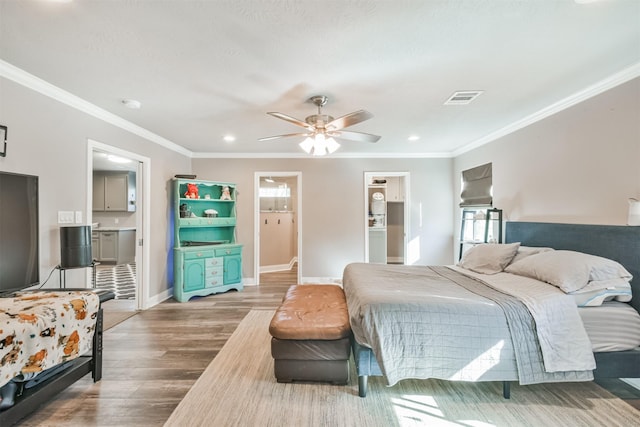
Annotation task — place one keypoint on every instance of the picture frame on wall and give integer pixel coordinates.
(3, 140)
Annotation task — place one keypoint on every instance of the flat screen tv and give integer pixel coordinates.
(19, 239)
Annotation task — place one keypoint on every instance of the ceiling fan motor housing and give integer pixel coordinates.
(318, 120)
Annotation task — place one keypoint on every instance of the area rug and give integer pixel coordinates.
(116, 311)
(120, 279)
(238, 388)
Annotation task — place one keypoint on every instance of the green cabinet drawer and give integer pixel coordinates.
(236, 250)
(207, 222)
(213, 262)
(198, 254)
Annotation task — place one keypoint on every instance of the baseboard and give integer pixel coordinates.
(322, 280)
(278, 267)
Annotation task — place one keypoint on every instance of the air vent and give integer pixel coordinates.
(463, 97)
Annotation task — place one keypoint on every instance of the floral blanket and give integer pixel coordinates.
(39, 330)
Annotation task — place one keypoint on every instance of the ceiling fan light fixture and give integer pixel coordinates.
(307, 145)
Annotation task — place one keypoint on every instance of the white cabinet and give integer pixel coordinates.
(95, 245)
(114, 191)
(377, 245)
(395, 189)
(377, 195)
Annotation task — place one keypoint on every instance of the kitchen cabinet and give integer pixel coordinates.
(95, 245)
(114, 191)
(377, 194)
(114, 246)
(395, 189)
(206, 257)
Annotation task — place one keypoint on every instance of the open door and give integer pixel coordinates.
(386, 210)
(138, 168)
(277, 240)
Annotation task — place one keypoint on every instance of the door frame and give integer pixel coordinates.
(256, 222)
(143, 219)
(368, 176)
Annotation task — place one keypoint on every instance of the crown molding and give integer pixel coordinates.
(610, 82)
(32, 82)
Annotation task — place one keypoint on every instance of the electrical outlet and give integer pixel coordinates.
(78, 217)
(116, 220)
(65, 217)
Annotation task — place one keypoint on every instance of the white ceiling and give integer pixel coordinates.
(204, 69)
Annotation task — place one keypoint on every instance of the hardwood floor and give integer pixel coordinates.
(152, 359)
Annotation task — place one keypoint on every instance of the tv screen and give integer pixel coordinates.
(19, 239)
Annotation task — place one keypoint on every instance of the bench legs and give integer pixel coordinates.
(506, 389)
(362, 385)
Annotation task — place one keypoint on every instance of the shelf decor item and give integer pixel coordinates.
(206, 257)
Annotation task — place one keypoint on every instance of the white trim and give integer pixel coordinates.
(30, 81)
(143, 298)
(278, 267)
(595, 89)
(321, 281)
(339, 155)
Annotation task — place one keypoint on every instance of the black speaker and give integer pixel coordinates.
(75, 246)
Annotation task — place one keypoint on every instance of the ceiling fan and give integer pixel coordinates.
(322, 128)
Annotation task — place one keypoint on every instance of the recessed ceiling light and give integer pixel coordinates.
(413, 138)
(229, 138)
(132, 103)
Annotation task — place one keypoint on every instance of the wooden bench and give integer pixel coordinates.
(310, 335)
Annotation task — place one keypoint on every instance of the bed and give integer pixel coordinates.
(48, 340)
(442, 322)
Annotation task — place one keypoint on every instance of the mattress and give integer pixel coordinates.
(613, 326)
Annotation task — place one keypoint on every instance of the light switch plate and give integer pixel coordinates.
(65, 217)
(78, 217)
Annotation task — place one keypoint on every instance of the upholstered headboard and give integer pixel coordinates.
(617, 242)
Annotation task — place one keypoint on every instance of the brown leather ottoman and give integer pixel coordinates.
(310, 335)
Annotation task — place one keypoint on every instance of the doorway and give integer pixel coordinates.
(386, 213)
(277, 229)
(124, 267)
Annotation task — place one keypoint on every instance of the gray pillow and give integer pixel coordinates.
(489, 258)
(568, 270)
(525, 251)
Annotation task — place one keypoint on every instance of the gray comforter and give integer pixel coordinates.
(434, 322)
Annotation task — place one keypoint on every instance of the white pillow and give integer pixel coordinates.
(568, 270)
(488, 258)
(525, 251)
(598, 291)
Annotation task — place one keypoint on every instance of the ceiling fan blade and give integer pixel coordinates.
(349, 120)
(291, 119)
(269, 138)
(355, 136)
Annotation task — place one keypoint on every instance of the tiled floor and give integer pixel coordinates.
(121, 279)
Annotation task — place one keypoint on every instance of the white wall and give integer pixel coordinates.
(332, 207)
(49, 139)
(578, 166)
